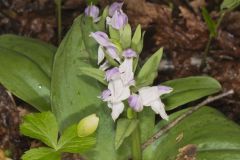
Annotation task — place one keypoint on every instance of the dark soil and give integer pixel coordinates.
(180, 30)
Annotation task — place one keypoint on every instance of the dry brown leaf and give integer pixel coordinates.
(187, 152)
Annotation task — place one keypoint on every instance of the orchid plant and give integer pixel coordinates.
(120, 74)
(96, 71)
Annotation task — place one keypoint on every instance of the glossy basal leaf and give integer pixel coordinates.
(25, 79)
(189, 89)
(215, 137)
(41, 126)
(39, 52)
(149, 71)
(74, 96)
(70, 142)
(42, 153)
(94, 73)
(124, 129)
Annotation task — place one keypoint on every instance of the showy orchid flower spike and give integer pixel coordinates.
(119, 70)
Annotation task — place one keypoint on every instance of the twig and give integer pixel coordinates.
(183, 116)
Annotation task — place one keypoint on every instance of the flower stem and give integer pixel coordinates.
(136, 141)
(59, 18)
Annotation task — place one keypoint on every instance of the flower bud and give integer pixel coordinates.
(118, 21)
(114, 7)
(87, 125)
(92, 11)
(101, 38)
(129, 53)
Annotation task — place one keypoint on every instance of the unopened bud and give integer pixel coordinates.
(92, 11)
(114, 7)
(118, 21)
(87, 125)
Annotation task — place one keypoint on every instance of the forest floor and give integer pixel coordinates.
(180, 29)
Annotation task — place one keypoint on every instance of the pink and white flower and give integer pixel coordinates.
(150, 96)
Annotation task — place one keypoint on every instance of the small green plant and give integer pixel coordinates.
(43, 126)
(213, 26)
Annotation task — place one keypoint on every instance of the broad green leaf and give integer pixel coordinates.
(124, 129)
(212, 27)
(42, 153)
(25, 79)
(214, 136)
(70, 142)
(230, 4)
(149, 70)
(189, 89)
(74, 96)
(94, 73)
(126, 36)
(39, 52)
(41, 126)
(136, 38)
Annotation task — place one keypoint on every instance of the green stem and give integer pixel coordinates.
(205, 53)
(220, 19)
(211, 36)
(136, 141)
(59, 19)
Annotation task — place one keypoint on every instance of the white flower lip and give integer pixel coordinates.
(150, 96)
